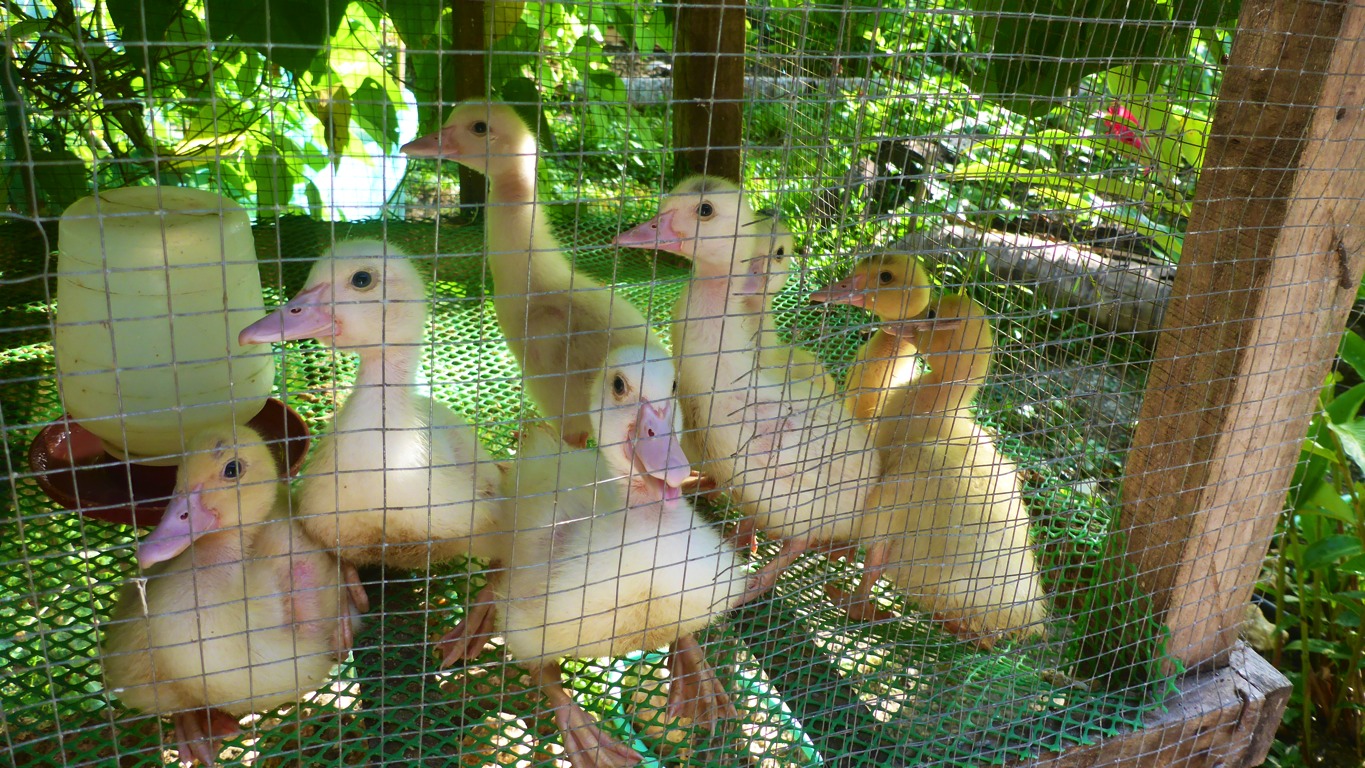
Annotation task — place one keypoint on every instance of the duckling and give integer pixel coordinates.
(608, 558)
(401, 479)
(893, 287)
(240, 611)
(791, 455)
(947, 523)
(774, 353)
(559, 323)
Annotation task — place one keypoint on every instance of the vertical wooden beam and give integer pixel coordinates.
(467, 77)
(708, 88)
(1270, 268)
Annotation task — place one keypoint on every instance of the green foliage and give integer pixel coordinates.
(1045, 49)
(1317, 576)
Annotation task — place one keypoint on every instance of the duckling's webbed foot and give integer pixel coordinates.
(694, 691)
(746, 535)
(200, 733)
(467, 639)
(359, 597)
(860, 605)
(697, 483)
(766, 577)
(585, 743)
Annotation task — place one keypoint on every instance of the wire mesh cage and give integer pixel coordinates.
(520, 383)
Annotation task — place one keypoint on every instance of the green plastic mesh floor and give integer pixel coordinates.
(812, 688)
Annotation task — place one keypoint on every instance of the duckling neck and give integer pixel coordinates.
(386, 377)
(953, 381)
(521, 246)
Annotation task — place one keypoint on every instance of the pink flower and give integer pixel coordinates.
(1122, 124)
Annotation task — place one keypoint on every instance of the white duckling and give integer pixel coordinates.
(400, 479)
(894, 287)
(607, 558)
(947, 524)
(559, 323)
(784, 357)
(792, 456)
(241, 611)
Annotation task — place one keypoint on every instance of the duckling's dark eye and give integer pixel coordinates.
(362, 280)
(706, 211)
(781, 251)
(618, 385)
(930, 315)
(886, 277)
(480, 128)
(232, 470)
(675, 386)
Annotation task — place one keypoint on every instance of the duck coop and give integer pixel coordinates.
(926, 382)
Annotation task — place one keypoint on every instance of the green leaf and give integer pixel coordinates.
(1329, 550)
(314, 199)
(415, 21)
(274, 182)
(1352, 351)
(372, 108)
(289, 32)
(1352, 437)
(1043, 48)
(1314, 645)
(144, 21)
(1325, 501)
(1355, 565)
(1207, 13)
(1344, 408)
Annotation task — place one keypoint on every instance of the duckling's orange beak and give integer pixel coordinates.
(657, 233)
(655, 448)
(185, 520)
(852, 290)
(911, 329)
(306, 316)
(431, 145)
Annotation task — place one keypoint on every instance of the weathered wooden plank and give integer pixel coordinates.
(708, 81)
(1270, 268)
(1224, 718)
(467, 71)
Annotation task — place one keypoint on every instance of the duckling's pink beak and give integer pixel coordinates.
(185, 520)
(852, 290)
(430, 145)
(306, 316)
(655, 447)
(657, 233)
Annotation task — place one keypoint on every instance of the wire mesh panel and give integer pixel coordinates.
(532, 446)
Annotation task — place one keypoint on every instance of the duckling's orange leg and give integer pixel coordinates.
(585, 743)
(200, 733)
(746, 535)
(576, 439)
(351, 578)
(694, 691)
(766, 577)
(467, 639)
(859, 605)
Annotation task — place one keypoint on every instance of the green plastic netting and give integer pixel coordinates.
(812, 688)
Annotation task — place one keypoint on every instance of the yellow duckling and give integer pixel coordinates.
(792, 456)
(773, 353)
(608, 558)
(947, 523)
(559, 323)
(401, 478)
(893, 287)
(241, 611)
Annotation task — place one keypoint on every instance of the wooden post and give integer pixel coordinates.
(467, 78)
(708, 87)
(1270, 268)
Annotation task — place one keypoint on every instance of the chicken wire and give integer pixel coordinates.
(811, 686)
